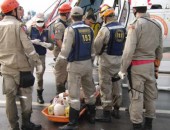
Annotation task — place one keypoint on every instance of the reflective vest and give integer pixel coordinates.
(35, 34)
(117, 38)
(82, 45)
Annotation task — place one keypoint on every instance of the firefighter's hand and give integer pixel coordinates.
(121, 75)
(156, 72)
(36, 41)
(46, 45)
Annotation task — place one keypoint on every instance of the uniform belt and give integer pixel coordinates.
(140, 62)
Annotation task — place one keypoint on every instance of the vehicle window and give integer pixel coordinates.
(124, 14)
(156, 6)
(87, 4)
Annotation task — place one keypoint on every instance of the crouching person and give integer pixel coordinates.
(77, 49)
(15, 47)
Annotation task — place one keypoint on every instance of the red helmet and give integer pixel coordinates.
(64, 8)
(9, 5)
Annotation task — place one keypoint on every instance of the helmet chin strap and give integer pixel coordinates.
(105, 19)
(67, 15)
(16, 16)
(135, 12)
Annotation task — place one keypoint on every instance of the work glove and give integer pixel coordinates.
(121, 75)
(46, 44)
(36, 41)
(39, 67)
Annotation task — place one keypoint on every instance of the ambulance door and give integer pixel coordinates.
(123, 9)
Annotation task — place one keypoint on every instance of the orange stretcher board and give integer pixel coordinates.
(62, 119)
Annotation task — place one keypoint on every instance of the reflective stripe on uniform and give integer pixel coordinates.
(74, 101)
(63, 57)
(80, 25)
(32, 53)
(107, 101)
(6, 23)
(115, 27)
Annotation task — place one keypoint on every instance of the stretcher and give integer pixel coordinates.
(61, 119)
(64, 119)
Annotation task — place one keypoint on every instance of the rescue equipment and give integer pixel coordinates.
(49, 111)
(59, 110)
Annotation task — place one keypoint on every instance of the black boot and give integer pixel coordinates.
(73, 117)
(137, 126)
(148, 123)
(27, 124)
(91, 112)
(105, 117)
(60, 89)
(116, 113)
(31, 126)
(40, 99)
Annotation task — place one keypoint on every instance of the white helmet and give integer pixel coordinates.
(40, 19)
(139, 3)
(59, 110)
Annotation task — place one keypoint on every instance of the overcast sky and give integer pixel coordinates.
(36, 5)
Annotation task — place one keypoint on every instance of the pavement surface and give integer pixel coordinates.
(162, 122)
